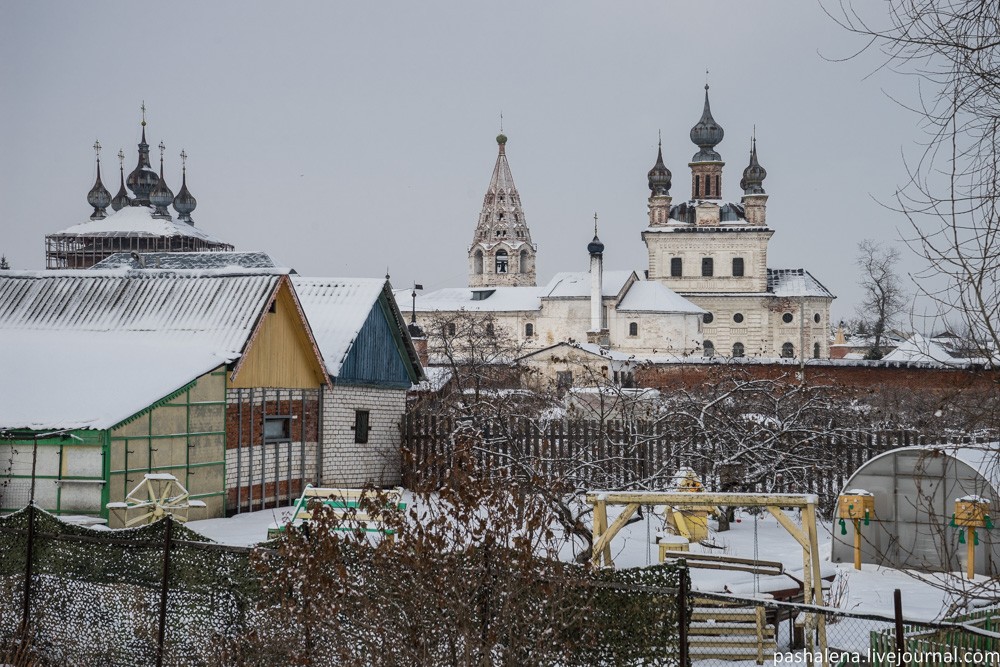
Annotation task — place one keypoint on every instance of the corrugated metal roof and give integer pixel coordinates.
(336, 309)
(113, 342)
(188, 260)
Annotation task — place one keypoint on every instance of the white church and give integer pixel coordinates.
(707, 290)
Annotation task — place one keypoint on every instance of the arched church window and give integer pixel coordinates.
(707, 266)
(708, 186)
(709, 349)
(529, 330)
(718, 187)
(451, 328)
(815, 350)
(697, 186)
(477, 261)
(523, 262)
(737, 266)
(489, 328)
(738, 350)
(501, 261)
(633, 328)
(817, 318)
(787, 351)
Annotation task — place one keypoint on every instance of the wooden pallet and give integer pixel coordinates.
(724, 631)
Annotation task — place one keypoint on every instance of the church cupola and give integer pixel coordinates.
(706, 165)
(754, 197)
(98, 197)
(754, 174)
(598, 332)
(659, 178)
(143, 179)
(121, 199)
(184, 202)
(501, 252)
(161, 197)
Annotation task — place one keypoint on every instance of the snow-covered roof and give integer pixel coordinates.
(90, 348)
(337, 309)
(136, 221)
(66, 379)
(570, 284)
(498, 299)
(653, 297)
(920, 348)
(590, 348)
(795, 282)
(189, 260)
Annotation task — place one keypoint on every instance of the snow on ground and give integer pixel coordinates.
(869, 590)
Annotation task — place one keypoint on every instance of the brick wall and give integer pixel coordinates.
(350, 464)
(866, 376)
(269, 474)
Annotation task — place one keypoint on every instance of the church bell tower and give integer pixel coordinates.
(502, 253)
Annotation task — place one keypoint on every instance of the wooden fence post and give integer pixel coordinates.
(28, 571)
(164, 587)
(897, 603)
(682, 619)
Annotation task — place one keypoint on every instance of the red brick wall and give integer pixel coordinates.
(861, 376)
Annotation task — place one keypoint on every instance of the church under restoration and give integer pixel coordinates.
(140, 220)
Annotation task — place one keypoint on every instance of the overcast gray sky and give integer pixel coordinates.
(345, 137)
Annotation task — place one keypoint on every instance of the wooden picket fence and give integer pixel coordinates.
(618, 454)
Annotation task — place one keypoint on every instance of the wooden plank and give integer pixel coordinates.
(703, 498)
(793, 530)
(604, 542)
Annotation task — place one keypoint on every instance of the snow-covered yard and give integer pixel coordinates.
(869, 590)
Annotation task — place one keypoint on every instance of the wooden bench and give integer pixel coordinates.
(723, 631)
(347, 505)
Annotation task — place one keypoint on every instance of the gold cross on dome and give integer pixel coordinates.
(143, 107)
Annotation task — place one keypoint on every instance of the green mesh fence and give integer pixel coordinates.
(95, 595)
(95, 599)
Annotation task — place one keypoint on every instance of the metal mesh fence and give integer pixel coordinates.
(728, 630)
(160, 594)
(95, 598)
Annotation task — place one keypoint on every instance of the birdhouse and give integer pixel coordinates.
(972, 512)
(856, 504)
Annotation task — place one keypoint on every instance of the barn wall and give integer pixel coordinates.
(270, 471)
(69, 473)
(184, 436)
(280, 354)
(351, 464)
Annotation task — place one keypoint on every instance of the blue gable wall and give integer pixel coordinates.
(376, 358)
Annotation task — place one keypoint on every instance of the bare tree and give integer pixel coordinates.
(952, 49)
(883, 297)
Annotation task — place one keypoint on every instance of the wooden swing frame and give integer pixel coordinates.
(775, 503)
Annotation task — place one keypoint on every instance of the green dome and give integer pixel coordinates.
(501, 138)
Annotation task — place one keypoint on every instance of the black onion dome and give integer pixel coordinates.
(121, 199)
(754, 175)
(595, 247)
(143, 179)
(707, 134)
(659, 176)
(161, 197)
(184, 202)
(501, 138)
(98, 197)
